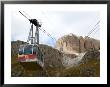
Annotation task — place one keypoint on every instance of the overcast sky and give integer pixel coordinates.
(57, 23)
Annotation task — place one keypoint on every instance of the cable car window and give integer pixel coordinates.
(20, 51)
(28, 49)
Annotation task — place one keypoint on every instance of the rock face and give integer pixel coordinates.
(52, 57)
(91, 43)
(68, 44)
(73, 44)
(81, 45)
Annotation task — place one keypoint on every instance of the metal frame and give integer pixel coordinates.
(40, 2)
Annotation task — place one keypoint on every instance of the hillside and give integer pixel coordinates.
(55, 64)
(52, 59)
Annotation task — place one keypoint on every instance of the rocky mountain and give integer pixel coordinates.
(73, 56)
(73, 44)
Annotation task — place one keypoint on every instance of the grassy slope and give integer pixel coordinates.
(89, 69)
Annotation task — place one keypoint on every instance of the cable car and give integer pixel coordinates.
(30, 53)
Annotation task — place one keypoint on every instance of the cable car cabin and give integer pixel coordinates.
(30, 53)
(27, 53)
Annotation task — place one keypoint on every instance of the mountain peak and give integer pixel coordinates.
(75, 44)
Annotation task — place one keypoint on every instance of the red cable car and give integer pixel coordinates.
(30, 52)
(27, 53)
